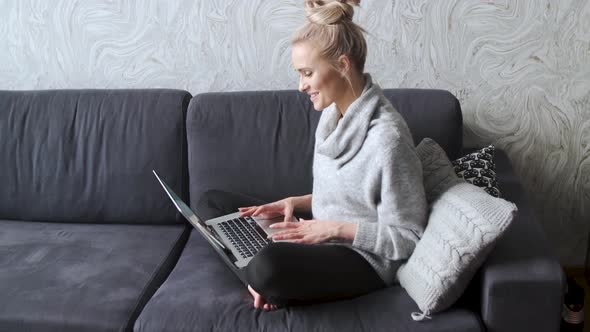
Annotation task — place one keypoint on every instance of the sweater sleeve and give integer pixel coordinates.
(401, 208)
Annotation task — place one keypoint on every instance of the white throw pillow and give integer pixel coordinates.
(464, 224)
(437, 171)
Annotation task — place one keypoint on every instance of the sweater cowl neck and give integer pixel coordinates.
(341, 138)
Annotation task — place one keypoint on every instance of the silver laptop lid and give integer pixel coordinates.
(189, 214)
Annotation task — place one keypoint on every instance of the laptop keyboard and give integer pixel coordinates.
(245, 235)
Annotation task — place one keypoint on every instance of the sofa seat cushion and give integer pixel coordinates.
(202, 294)
(81, 277)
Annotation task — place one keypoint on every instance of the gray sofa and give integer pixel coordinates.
(90, 242)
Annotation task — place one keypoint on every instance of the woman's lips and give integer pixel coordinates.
(313, 96)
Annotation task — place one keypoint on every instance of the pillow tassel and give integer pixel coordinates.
(420, 316)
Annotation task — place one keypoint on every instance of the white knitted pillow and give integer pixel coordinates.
(464, 224)
(437, 170)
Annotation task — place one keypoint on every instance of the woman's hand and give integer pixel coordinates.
(271, 210)
(313, 231)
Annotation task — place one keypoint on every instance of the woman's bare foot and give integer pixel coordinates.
(259, 302)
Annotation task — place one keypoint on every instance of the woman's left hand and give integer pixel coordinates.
(306, 231)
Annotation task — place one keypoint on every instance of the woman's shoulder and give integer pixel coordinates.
(387, 124)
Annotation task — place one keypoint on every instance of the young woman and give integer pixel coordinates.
(368, 202)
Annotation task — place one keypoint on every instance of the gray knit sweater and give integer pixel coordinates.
(366, 171)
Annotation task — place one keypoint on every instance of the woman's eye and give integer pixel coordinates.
(307, 74)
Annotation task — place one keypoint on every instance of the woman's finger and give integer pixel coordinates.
(250, 208)
(287, 236)
(246, 211)
(284, 225)
(285, 233)
(303, 240)
(264, 209)
(288, 212)
(310, 221)
(258, 210)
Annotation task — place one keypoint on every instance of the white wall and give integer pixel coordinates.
(520, 68)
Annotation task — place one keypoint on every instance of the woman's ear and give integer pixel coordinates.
(344, 64)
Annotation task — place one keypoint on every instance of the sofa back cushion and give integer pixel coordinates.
(88, 155)
(261, 143)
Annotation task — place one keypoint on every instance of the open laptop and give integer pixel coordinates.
(236, 239)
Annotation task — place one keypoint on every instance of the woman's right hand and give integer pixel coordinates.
(284, 207)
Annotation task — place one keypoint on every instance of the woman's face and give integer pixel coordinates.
(317, 77)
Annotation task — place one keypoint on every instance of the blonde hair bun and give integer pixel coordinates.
(329, 27)
(326, 12)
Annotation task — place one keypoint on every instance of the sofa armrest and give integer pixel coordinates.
(521, 281)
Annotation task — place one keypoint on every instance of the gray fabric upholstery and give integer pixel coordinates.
(87, 155)
(202, 294)
(261, 142)
(521, 281)
(70, 157)
(81, 277)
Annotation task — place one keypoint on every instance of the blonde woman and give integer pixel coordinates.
(368, 202)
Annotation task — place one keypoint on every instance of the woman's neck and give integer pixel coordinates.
(353, 91)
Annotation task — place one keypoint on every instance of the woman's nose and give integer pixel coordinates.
(302, 86)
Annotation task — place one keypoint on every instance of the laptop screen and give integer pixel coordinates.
(188, 213)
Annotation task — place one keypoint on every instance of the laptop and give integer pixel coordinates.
(236, 239)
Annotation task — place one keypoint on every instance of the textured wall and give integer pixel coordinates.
(520, 68)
